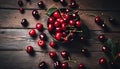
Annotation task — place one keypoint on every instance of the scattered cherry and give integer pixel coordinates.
(65, 65)
(58, 36)
(65, 54)
(41, 43)
(42, 65)
(41, 4)
(52, 54)
(72, 22)
(20, 3)
(39, 26)
(35, 14)
(102, 61)
(51, 20)
(57, 64)
(24, 22)
(57, 24)
(101, 38)
(52, 44)
(78, 24)
(22, 11)
(32, 33)
(42, 36)
(105, 49)
(30, 49)
(81, 66)
(73, 4)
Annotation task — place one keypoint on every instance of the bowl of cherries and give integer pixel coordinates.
(65, 25)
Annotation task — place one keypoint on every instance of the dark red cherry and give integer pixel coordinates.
(52, 44)
(72, 22)
(35, 14)
(56, 14)
(24, 22)
(42, 65)
(63, 26)
(98, 20)
(39, 26)
(41, 43)
(58, 29)
(105, 49)
(20, 3)
(50, 27)
(65, 54)
(51, 20)
(57, 64)
(102, 61)
(57, 24)
(41, 4)
(52, 54)
(58, 36)
(22, 11)
(42, 36)
(75, 15)
(102, 38)
(78, 24)
(73, 4)
(67, 17)
(32, 33)
(81, 66)
(29, 49)
(65, 65)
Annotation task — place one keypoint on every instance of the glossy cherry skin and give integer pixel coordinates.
(58, 29)
(42, 65)
(50, 27)
(71, 22)
(41, 43)
(78, 24)
(101, 38)
(57, 24)
(41, 4)
(42, 36)
(52, 54)
(51, 19)
(24, 22)
(22, 11)
(52, 44)
(65, 65)
(98, 19)
(57, 65)
(20, 3)
(81, 66)
(29, 49)
(75, 15)
(58, 36)
(32, 33)
(35, 14)
(56, 14)
(102, 61)
(105, 49)
(39, 26)
(65, 54)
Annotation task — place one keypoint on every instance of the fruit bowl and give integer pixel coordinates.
(65, 25)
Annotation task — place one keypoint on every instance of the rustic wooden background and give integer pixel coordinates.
(14, 37)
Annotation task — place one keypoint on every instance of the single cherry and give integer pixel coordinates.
(42, 65)
(65, 65)
(58, 36)
(57, 24)
(42, 36)
(73, 4)
(101, 38)
(63, 26)
(35, 14)
(51, 19)
(52, 54)
(39, 26)
(57, 64)
(52, 44)
(32, 33)
(75, 15)
(78, 24)
(105, 49)
(81, 66)
(56, 14)
(58, 29)
(71, 22)
(50, 27)
(24, 22)
(102, 61)
(20, 3)
(84, 51)
(41, 4)
(65, 54)
(98, 20)
(41, 43)
(22, 11)
(30, 49)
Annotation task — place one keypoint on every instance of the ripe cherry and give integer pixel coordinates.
(50, 27)
(67, 17)
(41, 4)
(57, 24)
(20, 3)
(32, 33)
(22, 11)
(72, 22)
(56, 14)
(57, 64)
(58, 29)
(51, 19)
(39, 26)
(105, 49)
(98, 20)
(24, 22)
(41, 43)
(35, 14)
(102, 61)
(65, 65)
(73, 4)
(75, 15)
(58, 36)
(101, 38)
(63, 26)
(65, 54)
(42, 36)
(52, 54)
(78, 24)
(81, 66)
(42, 65)
(30, 49)
(53, 44)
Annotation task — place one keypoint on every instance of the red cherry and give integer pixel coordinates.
(98, 20)
(52, 54)
(65, 65)
(50, 27)
(21, 10)
(72, 22)
(41, 43)
(42, 36)
(39, 26)
(78, 23)
(65, 54)
(24, 22)
(64, 34)
(41, 4)
(20, 3)
(102, 61)
(101, 38)
(57, 64)
(105, 49)
(58, 36)
(57, 24)
(58, 29)
(29, 49)
(56, 14)
(32, 33)
(42, 65)
(66, 39)
(63, 26)
(51, 19)
(81, 66)
(52, 44)
(67, 10)
(73, 4)
(75, 15)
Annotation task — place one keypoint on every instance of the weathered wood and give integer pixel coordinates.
(22, 60)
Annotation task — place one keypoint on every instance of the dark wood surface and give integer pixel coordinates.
(14, 37)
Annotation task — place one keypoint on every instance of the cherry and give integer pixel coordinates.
(42, 65)
(67, 10)
(101, 38)
(58, 30)
(24, 22)
(57, 24)
(81, 66)
(67, 17)
(75, 15)
(56, 14)
(57, 65)
(42, 36)
(63, 26)
(73, 4)
(20, 3)
(51, 19)
(84, 51)
(78, 24)
(30, 49)
(66, 39)
(105, 49)
(41, 4)
(39, 26)
(22, 11)
(41, 43)
(35, 14)
(65, 54)
(58, 36)
(52, 54)
(72, 22)
(98, 20)
(102, 61)
(32, 33)
(50, 27)
(65, 65)
(64, 34)
(52, 44)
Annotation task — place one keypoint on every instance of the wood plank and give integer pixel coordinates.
(21, 60)
(12, 19)
(18, 39)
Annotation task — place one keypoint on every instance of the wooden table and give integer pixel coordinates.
(14, 37)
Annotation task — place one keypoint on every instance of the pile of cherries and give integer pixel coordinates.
(64, 25)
